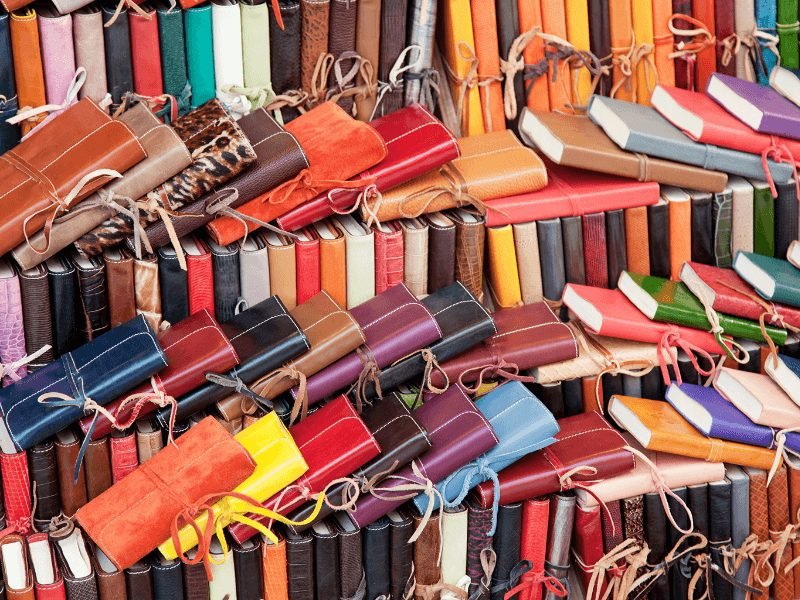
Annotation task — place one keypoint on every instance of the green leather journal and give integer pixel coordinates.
(763, 219)
(787, 33)
(669, 301)
(255, 45)
(173, 54)
(200, 53)
(774, 279)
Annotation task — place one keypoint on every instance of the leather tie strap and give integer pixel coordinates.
(235, 383)
(267, 383)
(398, 70)
(782, 453)
(429, 91)
(498, 369)
(157, 397)
(30, 114)
(355, 486)
(466, 83)
(10, 369)
(778, 152)
(305, 181)
(731, 45)
(511, 67)
(25, 524)
(672, 337)
(133, 6)
(514, 576)
(370, 373)
(221, 205)
(431, 365)
(682, 548)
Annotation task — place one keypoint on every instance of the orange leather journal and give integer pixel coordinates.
(554, 22)
(530, 16)
(484, 19)
(664, 41)
(621, 29)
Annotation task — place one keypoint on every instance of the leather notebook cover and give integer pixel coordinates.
(660, 229)
(315, 131)
(393, 35)
(722, 216)
(359, 259)
(551, 255)
(263, 337)
(415, 255)
(129, 353)
(335, 425)
(458, 433)
(508, 546)
(87, 30)
(193, 347)
(572, 234)
(416, 141)
(758, 396)
(254, 270)
(658, 426)
(526, 242)
(199, 274)
(615, 245)
(503, 270)
(702, 227)
(484, 17)
(58, 54)
(584, 439)
(571, 192)
(595, 250)
(27, 63)
(227, 285)
(282, 257)
(110, 518)
(527, 336)
(308, 263)
(621, 32)
(285, 42)
(774, 279)
(332, 261)
(637, 240)
(315, 16)
(35, 296)
(174, 285)
(199, 51)
(554, 22)
(786, 213)
(401, 556)
(575, 141)
(377, 556)
(778, 519)
(483, 170)
(530, 16)
(384, 342)
(145, 53)
(470, 236)
(389, 255)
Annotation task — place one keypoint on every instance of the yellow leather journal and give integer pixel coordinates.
(503, 271)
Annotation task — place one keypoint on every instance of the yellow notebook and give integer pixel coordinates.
(578, 36)
(278, 464)
(503, 271)
(644, 50)
(458, 51)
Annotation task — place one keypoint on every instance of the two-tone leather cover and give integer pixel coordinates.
(91, 272)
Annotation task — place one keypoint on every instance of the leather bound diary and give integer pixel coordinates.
(615, 245)
(334, 442)
(585, 439)
(35, 295)
(264, 337)
(774, 279)
(359, 259)
(481, 172)
(522, 425)
(389, 254)
(385, 343)
(193, 347)
(484, 17)
(377, 556)
(458, 433)
(253, 271)
(12, 343)
(527, 336)
(470, 236)
(415, 255)
(27, 63)
(575, 141)
(308, 264)
(173, 284)
(101, 370)
(507, 544)
(205, 460)
(658, 426)
(503, 270)
(199, 51)
(282, 258)
(526, 243)
(786, 221)
(227, 285)
(621, 33)
(332, 260)
(571, 192)
(145, 52)
(416, 142)
(758, 396)
(552, 263)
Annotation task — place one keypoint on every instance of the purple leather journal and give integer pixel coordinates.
(394, 323)
(458, 432)
(714, 416)
(12, 332)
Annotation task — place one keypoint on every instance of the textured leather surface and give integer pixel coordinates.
(470, 236)
(124, 456)
(680, 231)
(148, 440)
(200, 278)
(87, 31)
(778, 502)
(286, 47)
(401, 559)
(441, 252)
(195, 581)
(342, 37)
(479, 525)
(167, 578)
(507, 546)
(121, 286)
(658, 230)
(351, 559)
(199, 52)
(174, 286)
(173, 53)
(44, 475)
(421, 29)
(427, 548)
(36, 298)
(588, 542)
(615, 243)
(117, 43)
(254, 270)
(282, 257)
(97, 464)
(16, 486)
(28, 70)
(139, 580)
(110, 581)
(315, 15)
(148, 290)
(368, 34)
(300, 565)
(595, 250)
(94, 315)
(80, 588)
(720, 532)
(786, 222)
(327, 574)
(415, 255)
(572, 234)
(276, 585)
(389, 256)
(394, 19)
(247, 561)
(226, 280)
(58, 54)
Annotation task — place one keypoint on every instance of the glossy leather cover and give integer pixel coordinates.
(124, 454)
(227, 284)
(98, 468)
(533, 545)
(482, 171)
(308, 264)
(384, 343)
(139, 580)
(316, 131)
(114, 519)
(148, 290)
(121, 286)
(173, 284)
(91, 272)
(441, 251)
(507, 544)
(167, 578)
(263, 337)
(200, 277)
(527, 336)
(401, 439)
(300, 566)
(27, 63)
(247, 563)
(334, 442)
(583, 439)
(145, 53)
(758, 395)
(389, 256)
(279, 157)
(458, 433)
(74, 493)
(127, 354)
(416, 141)
(254, 271)
(193, 347)
(286, 43)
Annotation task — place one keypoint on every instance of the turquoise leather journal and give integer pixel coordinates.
(200, 53)
(774, 279)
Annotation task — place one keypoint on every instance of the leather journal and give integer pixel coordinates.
(575, 141)
(317, 131)
(774, 279)
(332, 333)
(58, 52)
(458, 433)
(85, 148)
(279, 157)
(416, 141)
(583, 440)
(12, 344)
(483, 172)
(758, 396)
(389, 255)
(527, 336)
(263, 337)
(401, 439)
(522, 425)
(193, 347)
(27, 63)
(334, 442)
(385, 343)
(100, 370)
(658, 426)
(132, 517)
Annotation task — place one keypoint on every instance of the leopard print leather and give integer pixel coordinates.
(220, 151)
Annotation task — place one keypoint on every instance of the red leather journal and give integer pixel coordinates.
(585, 439)
(388, 255)
(569, 193)
(595, 255)
(309, 281)
(533, 545)
(16, 490)
(335, 442)
(200, 275)
(194, 347)
(145, 54)
(725, 25)
(417, 143)
(587, 541)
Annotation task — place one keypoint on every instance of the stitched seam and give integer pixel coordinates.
(411, 131)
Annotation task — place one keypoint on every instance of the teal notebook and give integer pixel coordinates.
(774, 279)
(671, 301)
(200, 53)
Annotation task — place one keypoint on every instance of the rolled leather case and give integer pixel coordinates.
(417, 142)
(479, 538)
(100, 370)
(167, 578)
(385, 343)
(464, 322)
(527, 336)
(377, 558)
(562, 516)
(285, 45)
(279, 157)
(458, 432)
(401, 439)
(247, 564)
(263, 337)
(300, 565)
(193, 347)
(114, 520)
(394, 24)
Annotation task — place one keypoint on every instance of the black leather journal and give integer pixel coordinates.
(702, 228)
(572, 232)
(64, 302)
(227, 285)
(616, 246)
(507, 544)
(786, 214)
(117, 39)
(377, 557)
(719, 534)
(551, 257)
(174, 283)
(658, 232)
(247, 567)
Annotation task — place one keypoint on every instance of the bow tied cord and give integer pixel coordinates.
(29, 114)
(306, 494)
(235, 383)
(165, 105)
(672, 338)
(499, 368)
(702, 38)
(10, 369)
(566, 482)
(25, 523)
(319, 78)
(514, 575)
(731, 46)
(783, 454)
(362, 201)
(263, 387)
(532, 580)
(398, 70)
(131, 4)
(156, 397)
(682, 549)
(370, 373)
(584, 59)
(454, 186)
(512, 66)
(346, 86)
(305, 181)
(466, 81)
(780, 153)
(705, 566)
(220, 513)
(732, 349)
(629, 553)
(431, 365)
(488, 563)
(354, 487)
(289, 99)
(222, 204)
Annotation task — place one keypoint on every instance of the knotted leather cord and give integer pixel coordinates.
(431, 365)
(488, 563)
(370, 192)
(220, 517)
(597, 70)
(355, 486)
(498, 368)
(155, 396)
(514, 576)
(370, 373)
(434, 591)
(531, 580)
(596, 590)
(263, 386)
(429, 91)
(672, 337)
(782, 453)
(221, 205)
(645, 582)
(732, 349)
(25, 523)
(702, 39)
(319, 79)
(643, 54)
(239, 386)
(731, 46)
(256, 96)
(29, 113)
(704, 569)
(305, 181)
(10, 369)
(511, 67)
(466, 83)
(133, 6)
(398, 70)
(779, 152)
(346, 81)
(622, 58)
(566, 483)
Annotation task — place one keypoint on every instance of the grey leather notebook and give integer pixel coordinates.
(639, 128)
(572, 234)
(740, 519)
(551, 257)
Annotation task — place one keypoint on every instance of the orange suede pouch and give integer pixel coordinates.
(133, 516)
(28, 70)
(338, 147)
